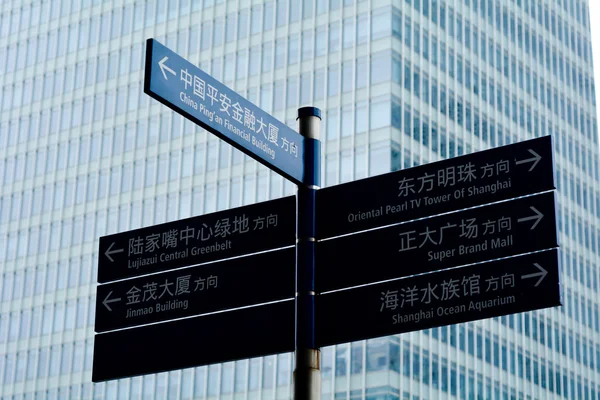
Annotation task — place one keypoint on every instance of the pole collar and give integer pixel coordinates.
(309, 112)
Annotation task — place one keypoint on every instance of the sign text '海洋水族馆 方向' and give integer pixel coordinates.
(451, 296)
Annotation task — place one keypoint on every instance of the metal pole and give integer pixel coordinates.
(307, 371)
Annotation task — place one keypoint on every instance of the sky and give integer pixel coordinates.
(594, 18)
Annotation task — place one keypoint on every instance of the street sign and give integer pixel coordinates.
(398, 252)
(222, 285)
(479, 178)
(190, 342)
(234, 232)
(491, 289)
(477, 234)
(193, 93)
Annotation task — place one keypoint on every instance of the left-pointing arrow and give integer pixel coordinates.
(110, 252)
(164, 67)
(537, 217)
(542, 274)
(106, 301)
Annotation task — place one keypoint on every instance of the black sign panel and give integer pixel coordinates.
(451, 296)
(222, 285)
(479, 178)
(234, 232)
(244, 333)
(477, 234)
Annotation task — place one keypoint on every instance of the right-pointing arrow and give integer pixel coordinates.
(537, 217)
(110, 252)
(164, 67)
(542, 274)
(535, 160)
(106, 301)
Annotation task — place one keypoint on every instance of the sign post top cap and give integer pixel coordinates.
(309, 112)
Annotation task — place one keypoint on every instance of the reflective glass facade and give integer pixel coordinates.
(84, 153)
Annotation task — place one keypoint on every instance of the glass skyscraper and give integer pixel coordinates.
(85, 153)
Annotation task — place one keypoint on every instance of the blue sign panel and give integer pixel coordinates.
(193, 93)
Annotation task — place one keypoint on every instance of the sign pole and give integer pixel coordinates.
(307, 373)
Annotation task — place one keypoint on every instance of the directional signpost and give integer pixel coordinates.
(452, 241)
